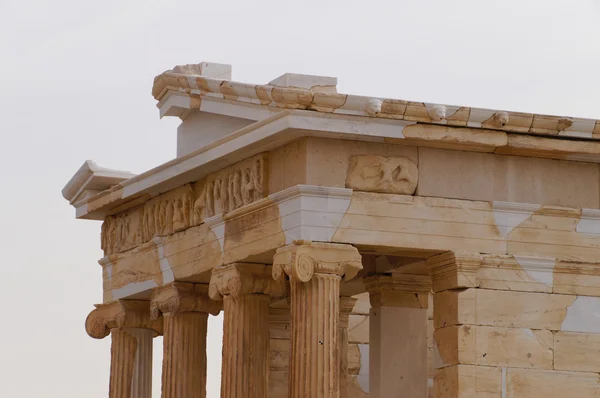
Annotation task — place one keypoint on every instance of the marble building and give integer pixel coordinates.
(356, 246)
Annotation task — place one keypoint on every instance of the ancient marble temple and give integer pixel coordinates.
(356, 246)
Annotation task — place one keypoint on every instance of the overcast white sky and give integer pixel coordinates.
(75, 80)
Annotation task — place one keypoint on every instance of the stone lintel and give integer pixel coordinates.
(240, 279)
(302, 259)
(398, 290)
(123, 314)
(454, 270)
(179, 297)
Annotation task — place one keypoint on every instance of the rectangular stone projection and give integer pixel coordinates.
(398, 335)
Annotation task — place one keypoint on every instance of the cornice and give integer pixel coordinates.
(285, 113)
(189, 82)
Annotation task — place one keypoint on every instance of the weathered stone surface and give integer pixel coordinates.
(454, 270)
(492, 346)
(522, 383)
(501, 309)
(576, 351)
(481, 176)
(478, 140)
(464, 381)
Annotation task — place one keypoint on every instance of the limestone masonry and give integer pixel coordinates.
(357, 246)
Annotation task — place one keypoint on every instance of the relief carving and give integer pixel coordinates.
(168, 213)
(374, 173)
(163, 215)
(121, 232)
(232, 188)
(177, 210)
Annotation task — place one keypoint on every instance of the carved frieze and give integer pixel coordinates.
(231, 188)
(179, 209)
(160, 216)
(373, 173)
(168, 213)
(122, 232)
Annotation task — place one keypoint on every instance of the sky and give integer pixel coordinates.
(76, 78)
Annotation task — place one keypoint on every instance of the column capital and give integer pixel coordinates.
(454, 270)
(398, 290)
(302, 259)
(178, 297)
(121, 314)
(240, 279)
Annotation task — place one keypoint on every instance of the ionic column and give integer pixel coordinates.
(315, 271)
(184, 308)
(130, 358)
(346, 306)
(398, 335)
(246, 291)
(141, 386)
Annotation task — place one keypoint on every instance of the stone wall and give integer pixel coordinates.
(516, 328)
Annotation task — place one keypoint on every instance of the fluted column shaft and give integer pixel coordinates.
(184, 308)
(141, 385)
(346, 306)
(245, 370)
(122, 360)
(246, 291)
(315, 358)
(184, 355)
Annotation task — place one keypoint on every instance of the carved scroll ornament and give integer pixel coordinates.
(182, 297)
(239, 279)
(372, 173)
(120, 315)
(302, 259)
